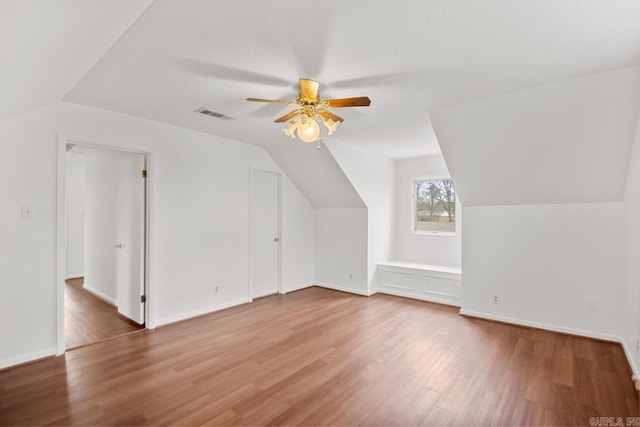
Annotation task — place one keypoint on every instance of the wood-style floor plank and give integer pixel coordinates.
(88, 319)
(321, 357)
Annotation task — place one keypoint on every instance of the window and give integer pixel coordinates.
(434, 207)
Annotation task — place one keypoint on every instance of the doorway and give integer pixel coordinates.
(103, 277)
(265, 232)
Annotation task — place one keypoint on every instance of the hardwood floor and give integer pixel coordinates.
(321, 357)
(88, 319)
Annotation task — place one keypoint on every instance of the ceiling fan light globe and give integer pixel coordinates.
(290, 129)
(331, 126)
(308, 131)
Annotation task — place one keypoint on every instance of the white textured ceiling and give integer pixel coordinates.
(316, 174)
(407, 56)
(566, 142)
(48, 46)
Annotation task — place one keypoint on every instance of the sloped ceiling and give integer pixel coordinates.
(48, 46)
(567, 142)
(407, 56)
(316, 174)
(478, 67)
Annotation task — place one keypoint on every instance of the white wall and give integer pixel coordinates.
(298, 239)
(545, 262)
(341, 249)
(373, 177)
(199, 219)
(439, 250)
(75, 185)
(631, 295)
(538, 171)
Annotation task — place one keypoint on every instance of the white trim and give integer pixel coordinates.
(151, 255)
(61, 229)
(580, 332)
(297, 288)
(278, 174)
(99, 294)
(422, 267)
(61, 241)
(442, 299)
(632, 363)
(435, 233)
(29, 357)
(100, 143)
(417, 289)
(344, 289)
(549, 327)
(202, 311)
(413, 208)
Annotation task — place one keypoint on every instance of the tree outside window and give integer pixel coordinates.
(435, 206)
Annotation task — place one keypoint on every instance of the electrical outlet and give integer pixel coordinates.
(216, 289)
(350, 275)
(496, 299)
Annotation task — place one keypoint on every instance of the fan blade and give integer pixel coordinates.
(329, 115)
(288, 116)
(309, 88)
(271, 101)
(362, 101)
(219, 71)
(375, 80)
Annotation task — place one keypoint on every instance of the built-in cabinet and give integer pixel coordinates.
(421, 281)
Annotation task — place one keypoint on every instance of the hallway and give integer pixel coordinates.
(88, 319)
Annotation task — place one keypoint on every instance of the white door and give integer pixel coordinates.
(130, 233)
(265, 233)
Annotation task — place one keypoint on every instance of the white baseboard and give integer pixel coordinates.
(343, 289)
(74, 276)
(200, 312)
(547, 326)
(429, 298)
(29, 357)
(632, 363)
(100, 294)
(562, 329)
(297, 288)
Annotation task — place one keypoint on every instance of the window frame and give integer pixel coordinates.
(414, 208)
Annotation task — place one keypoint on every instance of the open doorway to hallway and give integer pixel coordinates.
(105, 204)
(89, 319)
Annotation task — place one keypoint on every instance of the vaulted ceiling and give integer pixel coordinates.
(566, 142)
(407, 56)
(48, 46)
(415, 59)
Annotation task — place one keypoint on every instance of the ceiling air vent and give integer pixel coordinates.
(203, 110)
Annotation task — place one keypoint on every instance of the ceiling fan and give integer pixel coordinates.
(312, 109)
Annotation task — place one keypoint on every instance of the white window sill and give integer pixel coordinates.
(434, 234)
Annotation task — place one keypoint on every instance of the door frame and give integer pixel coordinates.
(61, 229)
(278, 174)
